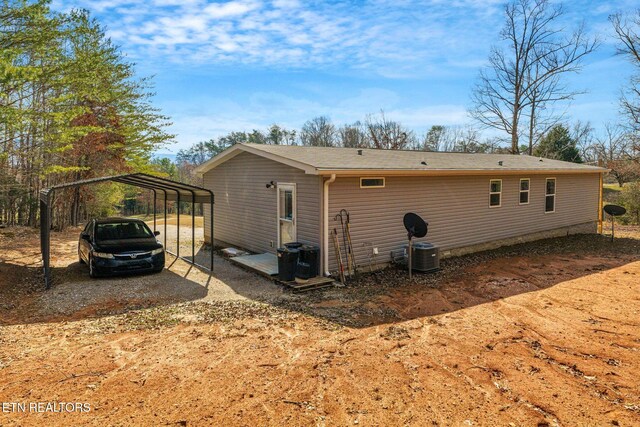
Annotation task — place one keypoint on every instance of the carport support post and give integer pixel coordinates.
(45, 235)
(154, 210)
(178, 229)
(165, 220)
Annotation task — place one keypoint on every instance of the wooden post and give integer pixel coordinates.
(410, 256)
(600, 204)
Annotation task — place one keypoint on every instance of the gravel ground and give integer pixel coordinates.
(361, 303)
(75, 295)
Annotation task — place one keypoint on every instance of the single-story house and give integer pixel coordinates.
(268, 195)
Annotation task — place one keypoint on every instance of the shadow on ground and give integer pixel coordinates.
(75, 296)
(387, 296)
(382, 297)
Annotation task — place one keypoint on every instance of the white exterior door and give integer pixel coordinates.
(286, 213)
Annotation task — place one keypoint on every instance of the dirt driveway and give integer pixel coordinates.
(540, 334)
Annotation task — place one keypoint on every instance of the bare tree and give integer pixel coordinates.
(614, 150)
(435, 138)
(465, 139)
(627, 31)
(541, 114)
(354, 136)
(318, 132)
(389, 134)
(277, 135)
(583, 134)
(524, 77)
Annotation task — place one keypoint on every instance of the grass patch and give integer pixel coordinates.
(611, 193)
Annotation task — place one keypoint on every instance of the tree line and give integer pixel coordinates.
(376, 131)
(614, 147)
(519, 96)
(71, 107)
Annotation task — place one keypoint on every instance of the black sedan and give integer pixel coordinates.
(119, 245)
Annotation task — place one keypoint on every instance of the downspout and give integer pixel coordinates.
(325, 241)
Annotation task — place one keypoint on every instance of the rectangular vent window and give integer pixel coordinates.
(371, 182)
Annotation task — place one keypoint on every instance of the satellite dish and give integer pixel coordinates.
(614, 210)
(416, 227)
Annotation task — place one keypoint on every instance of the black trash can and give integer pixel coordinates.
(293, 245)
(308, 262)
(287, 263)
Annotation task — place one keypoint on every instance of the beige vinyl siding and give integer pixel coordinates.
(457, 210)
(245, 210)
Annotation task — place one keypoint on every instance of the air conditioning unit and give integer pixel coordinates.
(426, 257)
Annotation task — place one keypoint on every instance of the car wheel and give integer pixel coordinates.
(92, 270)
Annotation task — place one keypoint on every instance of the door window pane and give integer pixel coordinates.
(286, 204)
(287, 232)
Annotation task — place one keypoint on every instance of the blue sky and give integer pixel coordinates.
(221, 66)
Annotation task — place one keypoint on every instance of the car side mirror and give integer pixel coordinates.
(156, 233)
(85, 236)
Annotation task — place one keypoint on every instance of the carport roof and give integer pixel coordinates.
(170, 190)
(165, 186)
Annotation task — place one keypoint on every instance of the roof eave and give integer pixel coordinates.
(453, 172)
(236, 149)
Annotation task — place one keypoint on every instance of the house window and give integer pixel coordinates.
(550, 196)
(371, 182)
(495, 193)
(524, 191)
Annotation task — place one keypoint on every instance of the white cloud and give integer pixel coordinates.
(391, 38)
(229, 9)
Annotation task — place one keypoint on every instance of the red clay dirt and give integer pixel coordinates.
(547, 339)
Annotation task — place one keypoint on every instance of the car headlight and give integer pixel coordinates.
(103, 255)
(157, 251)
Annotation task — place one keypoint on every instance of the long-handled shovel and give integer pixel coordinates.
(336, 246)
(351, 254)
(344, 240)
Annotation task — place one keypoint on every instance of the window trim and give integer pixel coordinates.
(528, 191)
(491, 193)
(555, 193)
(384, 182)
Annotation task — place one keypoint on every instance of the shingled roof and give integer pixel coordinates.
(327, 160)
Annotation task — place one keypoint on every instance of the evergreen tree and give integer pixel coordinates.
(70, 108)
(558, 144)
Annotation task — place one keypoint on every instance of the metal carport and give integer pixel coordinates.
(171, 191)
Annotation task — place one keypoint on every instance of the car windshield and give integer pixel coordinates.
(122, 230)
